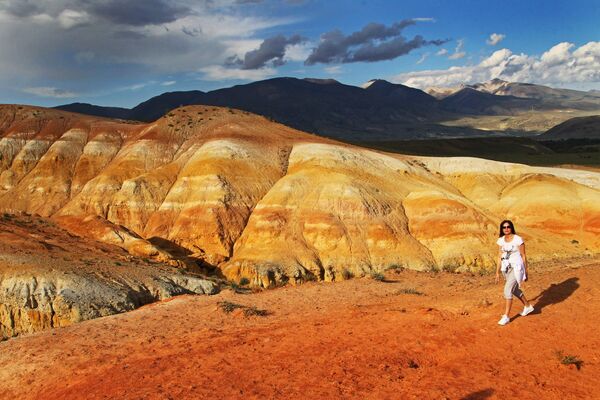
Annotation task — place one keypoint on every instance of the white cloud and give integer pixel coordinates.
(561, 65)
(334, 70)
(458, 51)
(137, 86)
(221, 73)
(46, 91)
(423, 58)
(298, 52)
(71, 18)
(168, 83)
(495, 38)
(441, 52)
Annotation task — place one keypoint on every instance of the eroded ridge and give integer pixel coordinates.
(261, 201)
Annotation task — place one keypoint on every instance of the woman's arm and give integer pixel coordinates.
(499, 264)
(524, 257)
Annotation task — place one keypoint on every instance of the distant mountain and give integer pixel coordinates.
(379, 110)
(548, 97)
(575, 128)
(471, 101)
(99, 111)
(156, 107)
(441, 92)
(326, 107)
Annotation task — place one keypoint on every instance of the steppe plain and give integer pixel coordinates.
(138, 213)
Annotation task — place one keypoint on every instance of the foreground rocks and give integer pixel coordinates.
(51, 278)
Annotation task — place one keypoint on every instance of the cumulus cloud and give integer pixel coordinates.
(271, 51)
(458, 51)
(495, 38)
(441, 52)
(45, 91)
(561, 65)
(374, 42)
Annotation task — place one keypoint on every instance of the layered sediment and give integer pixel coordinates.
(262, 201)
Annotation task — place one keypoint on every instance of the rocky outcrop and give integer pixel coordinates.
(51, 278)
(261, 201)
(37, 301)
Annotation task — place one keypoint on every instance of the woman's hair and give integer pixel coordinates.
(512, 227)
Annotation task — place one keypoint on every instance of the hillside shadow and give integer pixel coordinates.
(169, 246)
(191, 263)
(480, 395)
(555, 294)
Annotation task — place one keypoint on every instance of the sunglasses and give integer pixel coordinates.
(506, 227)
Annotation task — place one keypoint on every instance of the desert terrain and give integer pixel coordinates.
(414, 335)
(214, 253)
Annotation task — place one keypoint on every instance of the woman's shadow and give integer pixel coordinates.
(556, 293)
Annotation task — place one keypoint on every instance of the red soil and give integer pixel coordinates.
(358, 339)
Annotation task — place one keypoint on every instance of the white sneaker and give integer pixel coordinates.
(504, 320)
(527, 310)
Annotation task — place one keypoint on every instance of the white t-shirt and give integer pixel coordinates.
(510, 251)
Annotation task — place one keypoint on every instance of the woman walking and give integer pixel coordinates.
(513, 265)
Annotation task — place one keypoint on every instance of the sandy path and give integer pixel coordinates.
(359, 339)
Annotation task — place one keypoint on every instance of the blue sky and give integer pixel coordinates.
(120, 53)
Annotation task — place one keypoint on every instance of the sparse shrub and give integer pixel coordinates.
(412, 291)
(433, 269)
(253, 311)
(118, 264)
(413, 364)
(229, 307)
(378, 276)
(244, 281)
(347, 274)
(569, 360)
(574, 241)
(450, 268)
(395, 267)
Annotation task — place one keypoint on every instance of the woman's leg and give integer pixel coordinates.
(524, 300)
(508, 306)
(509, 289)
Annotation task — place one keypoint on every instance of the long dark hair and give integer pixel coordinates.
(512, 227)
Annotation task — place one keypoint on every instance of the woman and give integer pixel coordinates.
(513, 264)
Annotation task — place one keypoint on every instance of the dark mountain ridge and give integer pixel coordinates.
(381, 110)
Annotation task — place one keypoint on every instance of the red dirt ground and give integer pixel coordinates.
(358, 339)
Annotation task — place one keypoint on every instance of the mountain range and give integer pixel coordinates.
(379, 110)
